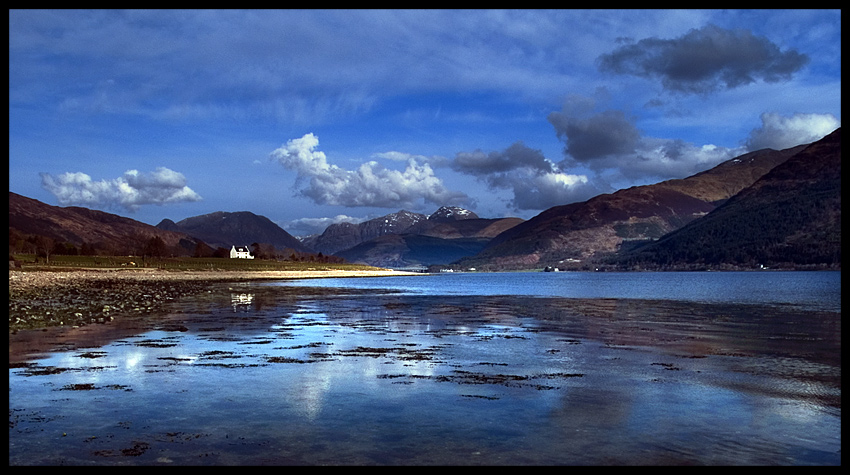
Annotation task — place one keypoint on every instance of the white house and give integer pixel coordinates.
(241, 252)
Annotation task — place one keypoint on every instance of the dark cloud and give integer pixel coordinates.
(537, 183)
(705, 60)
(516, 156)
(609, 142)
(607, 133)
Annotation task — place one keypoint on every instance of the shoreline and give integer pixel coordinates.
(41, 298)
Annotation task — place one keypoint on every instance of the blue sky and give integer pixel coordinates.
(316, 116)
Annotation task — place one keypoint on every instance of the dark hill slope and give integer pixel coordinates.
(791, 217)
(402, 250)
(243, 228)
(107, 233)
(588, 231)
(341, 236)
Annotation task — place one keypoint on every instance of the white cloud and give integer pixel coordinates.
(129, 191)
(434, 160)
(779, 132)
(371, 184)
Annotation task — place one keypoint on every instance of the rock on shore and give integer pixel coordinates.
(79, 297)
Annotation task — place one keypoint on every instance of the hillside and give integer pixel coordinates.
(223, 229)
(97, 230)
(448, 222)
(581, 234)
(789, 218)
(403, 239)
(341, 236)
(403, 250)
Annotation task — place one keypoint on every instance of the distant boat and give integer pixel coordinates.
(551, 269)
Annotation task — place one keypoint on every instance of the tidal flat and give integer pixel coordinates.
(246, 373)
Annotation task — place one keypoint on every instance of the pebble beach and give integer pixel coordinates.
(40, 299)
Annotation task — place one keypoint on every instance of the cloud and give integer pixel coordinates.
(371, 184)
(778, 132)
(536, 182)
(607, 133)
(129, 191)
(294, 65)
(434, 160)
(514, 157)
(609, 142)
(705, 60)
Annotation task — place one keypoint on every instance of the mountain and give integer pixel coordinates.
(341, 236)
(404, 238)
(403, 250)
(439, 244)
(578, 234)
(451, 214)
(790, 218)
(105, 232)
(243, 228)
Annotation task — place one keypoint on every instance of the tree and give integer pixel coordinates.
(262, 251)
(201, 250)
(65, 249)
(155, 247)
(44, 247)
(87, 250)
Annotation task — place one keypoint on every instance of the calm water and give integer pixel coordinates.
(810, 290)
(452, 369)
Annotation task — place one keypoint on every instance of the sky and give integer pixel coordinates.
(310, 117)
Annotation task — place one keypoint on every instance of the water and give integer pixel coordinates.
(452, 369)
(810, 290)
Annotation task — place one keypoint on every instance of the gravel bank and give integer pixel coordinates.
(43, 298)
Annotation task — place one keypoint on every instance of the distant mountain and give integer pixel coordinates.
(243, 228)
(468, 228)
(577, 234)
(340, 236)
(101, 231)
(790, 217)
(403, 250)
(451, 214)
(404, 238)
(442, 243)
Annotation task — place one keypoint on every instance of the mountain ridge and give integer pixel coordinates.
(790, 217)
(579, 234)
(98, 230)
(242, 228)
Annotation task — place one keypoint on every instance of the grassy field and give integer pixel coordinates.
(58, 262)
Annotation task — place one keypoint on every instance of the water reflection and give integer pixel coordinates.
(258, 376)
(241, 301)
